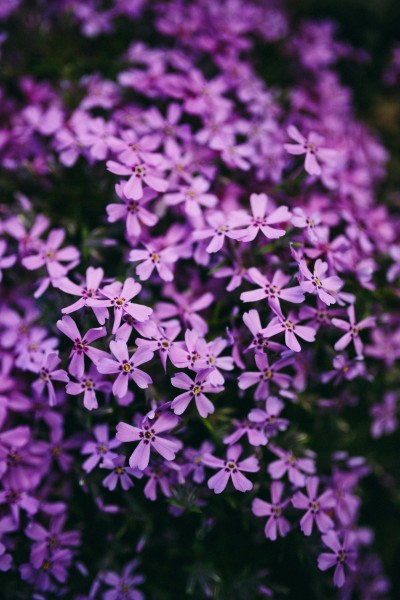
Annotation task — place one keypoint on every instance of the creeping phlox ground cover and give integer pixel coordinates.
(199, 306)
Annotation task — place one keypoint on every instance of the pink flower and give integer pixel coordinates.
(343, 554)
(317, 283)
(88, 289)
(126, 367)
(195, 391)
(118, 296)
(296, 468)
(194, 196)
(219, 229)
(5, 261)
(259, 221)
(148, 437)
(231, 468)
(266, 375)
(315, 507)
(150, 259)
(48, 373)
(292, 329)
(132, 211)
(276, 524)
(352, 331)
(139, 173)
(50, 256)
(311, 148)
(272, 290)
(81, 345)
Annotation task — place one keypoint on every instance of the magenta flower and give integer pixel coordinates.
(272, 290)
(277, 523)
(310, 146)
(195, 391)
(296, 468)
(150, 259)
(91, 288)
(50, 256)
(119, 474)
(352, 331)
(260, 342)
(269, 418)
(218, 231)
(118, 296)
(148, 437)
(126, 367)
(88, 385)
(132, 211)
(267, 374)
(253, 431)
(81, 345)
(5, 261)
(48, 373)
(123, 587)
(161, 340)
(292, 329)
(384, 416)
(343, 555)
(17, 500)
(100, 450)
(47, 541)
(194, 196)
(317, 283)
(210, 359)
(138, 173)
(315, 507)
(231, 468)
(259, 221)
(187, 308)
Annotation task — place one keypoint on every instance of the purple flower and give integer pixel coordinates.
(317, 283)
(100, 450)
(292, 329)
(266, 375)
(133, 211)
(118, 296)
(195, 391)
(277, 523)
(138, 173)
(315, 507)
(384, 416)
(343, 555)
(231, 468)
(126, 367)
(90, 289)
(259, 221)
(269, 418)
(124, 587)
(119, 474)
(81, 345)
(194, 196)
(310, 146)
(148, 437)
(48, 373)
(272, 290)
(296, 468)
(51, 256)
(352, 331)
(88, 385)
(49, 541)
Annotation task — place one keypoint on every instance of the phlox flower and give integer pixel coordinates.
(277, 523)
(311, 147)
(195, 391)
(352, 330)
(273, 290)
(119, 474)
(232, 469)
(89, 289)
(317, 283)
(134, 212)
(81, 345)
(296, 468)
(259, 221)
(49, 373)
(344, 554)
(148, 437)
(126, 367)
(291, 328)
(316, 507)
(193, 196)
(99, 450)
(266, 375)
(118, 296)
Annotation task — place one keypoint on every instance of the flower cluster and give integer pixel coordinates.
(221, 282)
